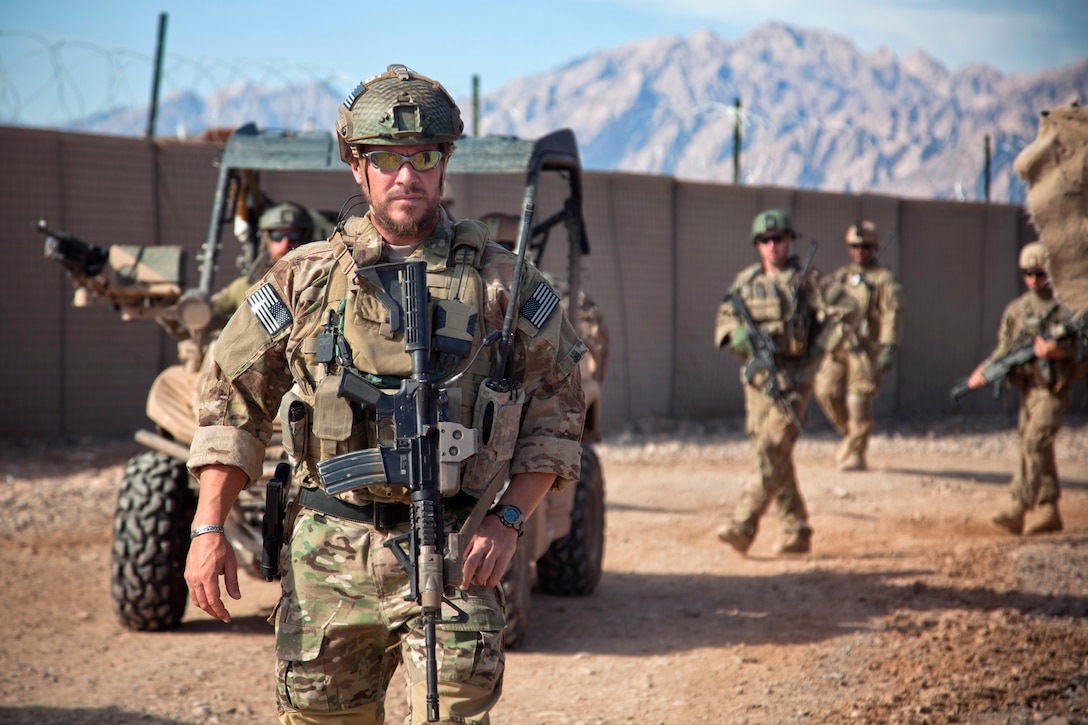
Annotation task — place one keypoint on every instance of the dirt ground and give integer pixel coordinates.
(912, 607)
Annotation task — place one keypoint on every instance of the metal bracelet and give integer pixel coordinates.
(206, 529)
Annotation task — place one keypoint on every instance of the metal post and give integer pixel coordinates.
(475, 105)
(736, 142)
(986, 180)
(154, 112)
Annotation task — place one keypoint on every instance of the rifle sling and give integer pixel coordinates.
(483, 505)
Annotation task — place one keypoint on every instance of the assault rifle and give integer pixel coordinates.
(410, 437)
(275, 506)
(763, 350)
(141, 282)
(78, 257)
(996, 371)
(763, 347)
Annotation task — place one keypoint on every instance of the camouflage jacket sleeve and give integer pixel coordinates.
(889, 304)
(240, 399)
(1008, 330)
(547, 351)
(226, 301)
(726, 321)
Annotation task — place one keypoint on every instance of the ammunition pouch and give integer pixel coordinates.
(498, 418)
(295, 415)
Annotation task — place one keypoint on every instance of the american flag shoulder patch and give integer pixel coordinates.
(538, 308)
(269, 309)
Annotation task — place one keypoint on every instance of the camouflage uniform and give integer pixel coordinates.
(849, 378)
(1045, 391)
(771, 429)
(342, 624)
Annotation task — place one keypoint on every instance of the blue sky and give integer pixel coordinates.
(59, 57)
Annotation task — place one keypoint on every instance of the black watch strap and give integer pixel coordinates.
(510, 516)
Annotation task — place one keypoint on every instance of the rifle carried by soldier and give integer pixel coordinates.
(408, 454)
(996, 371)
(420, 449)
(763, 346)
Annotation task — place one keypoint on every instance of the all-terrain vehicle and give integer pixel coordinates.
(562, 549)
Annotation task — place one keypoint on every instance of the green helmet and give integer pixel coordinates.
(770, 220)
(397, 108)
(287, 215)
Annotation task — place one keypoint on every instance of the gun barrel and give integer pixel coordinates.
(78, 256)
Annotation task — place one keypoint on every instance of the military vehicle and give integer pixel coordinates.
(562, 549)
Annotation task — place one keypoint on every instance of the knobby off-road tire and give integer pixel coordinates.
(572, 565)
(517, 588)
(150, 542)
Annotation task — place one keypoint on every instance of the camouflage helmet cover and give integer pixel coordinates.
(770, 220)
(1034, 256)
(287, 215)
(397, 108)
(863, 232)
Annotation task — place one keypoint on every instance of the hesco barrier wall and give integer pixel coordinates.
(662, 254)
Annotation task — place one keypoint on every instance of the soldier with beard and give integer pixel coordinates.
(346, 619)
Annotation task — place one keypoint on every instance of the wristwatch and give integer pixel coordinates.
(510, 516)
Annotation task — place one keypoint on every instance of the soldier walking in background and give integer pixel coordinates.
(772, 318)
(849, 378)
(1045, 388)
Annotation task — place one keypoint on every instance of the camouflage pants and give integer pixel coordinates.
(773, 436)
(845, 387)
(1042, 412)
(343, 626)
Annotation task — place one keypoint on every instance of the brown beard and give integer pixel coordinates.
(407, 228)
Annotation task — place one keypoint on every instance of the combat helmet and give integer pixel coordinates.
(397, 108)
(863, 232)
(1035, 256)
(287, 215)
(770, 220)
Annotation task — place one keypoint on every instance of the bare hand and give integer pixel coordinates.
(211, 556)
(488, 554)
(1047, 349)
(976, 380)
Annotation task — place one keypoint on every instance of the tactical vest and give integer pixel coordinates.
(366, 310)
(856, 283)
(768, 301)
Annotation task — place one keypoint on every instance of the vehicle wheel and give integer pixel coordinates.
(517, 587)
(572, 565)
(150, 542)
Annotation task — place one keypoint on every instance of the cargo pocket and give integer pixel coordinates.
(300, 681)
(473, 648)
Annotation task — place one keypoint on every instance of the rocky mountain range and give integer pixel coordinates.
(814, 112)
